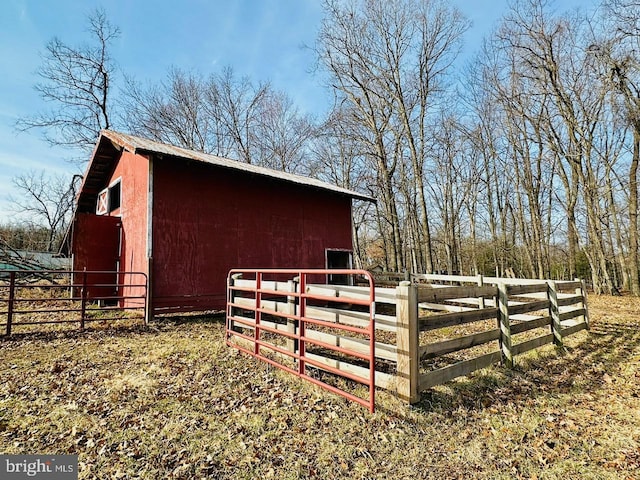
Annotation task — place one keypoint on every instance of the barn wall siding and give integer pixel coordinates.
(134, 172)
(209, 220)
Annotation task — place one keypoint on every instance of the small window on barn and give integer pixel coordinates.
(102, 208)
(114, 196)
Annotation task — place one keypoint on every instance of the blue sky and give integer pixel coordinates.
(260, 38)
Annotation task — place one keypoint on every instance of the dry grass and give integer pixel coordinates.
(172, 401)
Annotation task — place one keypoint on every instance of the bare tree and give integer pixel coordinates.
(283, 135)
(615, 51)
(76, 82)
(236, 105)
(172, 111)
(223, 115)
(46, 201)
(387, 59)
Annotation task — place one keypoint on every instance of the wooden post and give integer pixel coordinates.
(12, 297)
(407, 342)
(504, 325)
(582, 291)
(292, 343)
(554, 310)
(481, 304)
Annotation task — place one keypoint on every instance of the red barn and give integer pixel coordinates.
(186, 218)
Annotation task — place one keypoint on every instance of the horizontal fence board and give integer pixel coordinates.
(568, 286)
(360, 345)
(527, 289)
(578, 312)
(459, 318)
(530, 324)
(523, 347)
(460, 343)
(466, 301)
(244, 301)
(355, 319)
(382, 380)
(274, 286)
(443, 307)
(242, 321)
(523, 317)
(281, 307)
(239, 282)
(436, 295)
(570, 330)
(444, 374)
(446, 278)
(572, 300)
(528, 307)
(513, 281)
(345, 292)
(249, 323)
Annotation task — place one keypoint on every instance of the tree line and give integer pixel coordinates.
(522, 162)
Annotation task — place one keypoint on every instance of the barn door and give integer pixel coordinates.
(96, 248)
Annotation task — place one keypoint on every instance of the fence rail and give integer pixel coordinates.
(46, 297)
(430, 328)
(514, 313)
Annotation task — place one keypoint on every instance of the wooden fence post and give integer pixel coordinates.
(481, 303)
(554, 310)
(505, 325)
(582, 291)
(407, 342)
(12, 296)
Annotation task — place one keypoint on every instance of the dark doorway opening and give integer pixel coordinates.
(339, 259)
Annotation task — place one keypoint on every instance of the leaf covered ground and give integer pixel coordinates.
(172, 401)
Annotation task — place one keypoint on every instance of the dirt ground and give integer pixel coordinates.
(172, 401)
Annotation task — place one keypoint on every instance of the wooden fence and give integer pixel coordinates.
(469, 323)
(433, 328)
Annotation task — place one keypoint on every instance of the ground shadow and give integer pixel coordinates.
(580, 366)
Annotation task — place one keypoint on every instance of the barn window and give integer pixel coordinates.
(110, 198)
(114, 196)
(103, 202)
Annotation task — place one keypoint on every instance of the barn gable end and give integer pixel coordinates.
(187, 218)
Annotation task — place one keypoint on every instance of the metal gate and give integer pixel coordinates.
(36, 298)
(294, 320)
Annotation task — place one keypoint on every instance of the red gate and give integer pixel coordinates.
(292, 319)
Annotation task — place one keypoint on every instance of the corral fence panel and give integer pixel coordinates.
(324, 333)
(34, 298)
(425, 329)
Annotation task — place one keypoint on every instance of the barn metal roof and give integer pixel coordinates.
(104, 152)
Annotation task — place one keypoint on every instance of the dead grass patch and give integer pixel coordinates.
(172, 401)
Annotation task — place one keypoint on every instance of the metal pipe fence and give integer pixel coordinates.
(45, 297)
